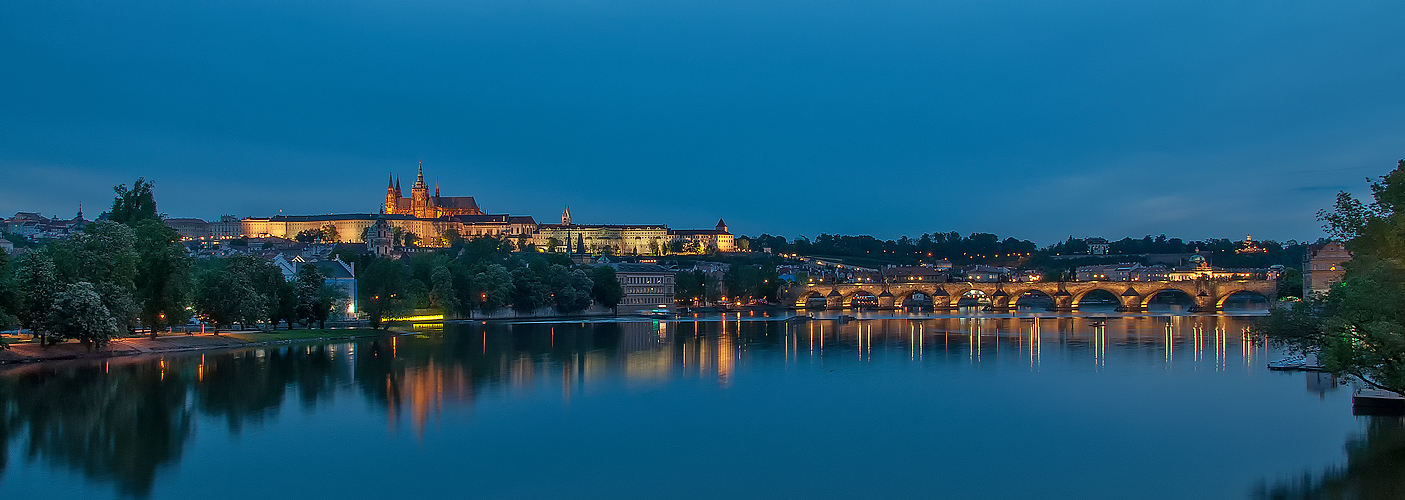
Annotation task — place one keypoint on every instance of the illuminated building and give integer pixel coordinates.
(1323, 267)
(420, 204)
(646, 286)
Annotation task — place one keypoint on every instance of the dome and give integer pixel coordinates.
(1197, 259)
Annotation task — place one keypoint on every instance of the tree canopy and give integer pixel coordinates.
(1358, 327)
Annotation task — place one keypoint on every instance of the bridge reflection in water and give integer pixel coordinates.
(154, 404)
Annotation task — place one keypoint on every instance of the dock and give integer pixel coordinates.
(1377, 402)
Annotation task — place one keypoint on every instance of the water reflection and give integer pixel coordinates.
(122, 422)
(1375, 460)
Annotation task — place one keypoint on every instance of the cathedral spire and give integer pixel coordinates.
(397, 187)
(419, 178)
(390, 184)
(436, 187)
(566, 216)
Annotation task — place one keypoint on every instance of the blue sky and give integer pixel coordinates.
(1034, 119)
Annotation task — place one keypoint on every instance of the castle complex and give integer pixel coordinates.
(433, 218)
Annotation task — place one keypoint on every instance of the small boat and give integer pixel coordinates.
(1287, 364)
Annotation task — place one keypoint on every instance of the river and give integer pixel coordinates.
(896, 405)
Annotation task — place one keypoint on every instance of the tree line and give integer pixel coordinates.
(481, 274)
(128, 270)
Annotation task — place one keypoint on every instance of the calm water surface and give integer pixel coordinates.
(994, 406)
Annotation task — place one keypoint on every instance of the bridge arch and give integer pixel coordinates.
(1019, 295)
(806, 297)
(1106, 294)
(918, 298)
(861, 298)
(1241, 292)
(968, 296)
(1169, 293)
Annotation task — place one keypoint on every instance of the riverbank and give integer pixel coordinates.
(32, 352)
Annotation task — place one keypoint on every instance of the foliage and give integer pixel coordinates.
(104, 254)
(37, 282)
(529, 293)
(605, 287)
(311, 303)
(134, 205)
(494, 287)
(1358, 328)
(78, 313)
(10, 298)
(751, 282)
(163, 275)
(381, 287)
(441, 292)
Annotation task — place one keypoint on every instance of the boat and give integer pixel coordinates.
(1287, 364)
(1296, 363)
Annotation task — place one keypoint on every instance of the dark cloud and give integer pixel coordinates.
(1035, 119)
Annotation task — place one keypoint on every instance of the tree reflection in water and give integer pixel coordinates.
(1375, 468)
(121, 421)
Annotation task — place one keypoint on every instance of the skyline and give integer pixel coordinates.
(1033, 121)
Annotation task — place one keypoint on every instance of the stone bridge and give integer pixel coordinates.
(1208, 295)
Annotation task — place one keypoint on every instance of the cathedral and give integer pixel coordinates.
(420, 204)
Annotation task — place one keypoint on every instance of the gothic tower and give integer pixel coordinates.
(566, 216)
(419, 196)
(391, 197)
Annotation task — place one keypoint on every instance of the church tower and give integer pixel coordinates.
(721, 226)
(419, 196)
(566, 216)
(391, 197)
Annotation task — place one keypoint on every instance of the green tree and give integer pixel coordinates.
(9, 295)
(450, 238)
(308, 283)
(79, 313)
(529, 292)
(162, 277)
(330, 297)
(225, 295)
(409, 240)
(104, 255)
(1358, 329)
(570, 290)
(441, 293)
(330, 233)
(38, 286)
(134, 205)
(381, 287)
(494, 286)
(605, 287)
(308, 236)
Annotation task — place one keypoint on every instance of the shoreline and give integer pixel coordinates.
(30, 354)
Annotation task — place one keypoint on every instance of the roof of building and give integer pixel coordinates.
(626, 267)
(696, 232)
(657, 227)
(456, 202)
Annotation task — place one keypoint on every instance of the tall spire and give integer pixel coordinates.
(436, 187)
(566, 216)
(397, 186)
(419, 178)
